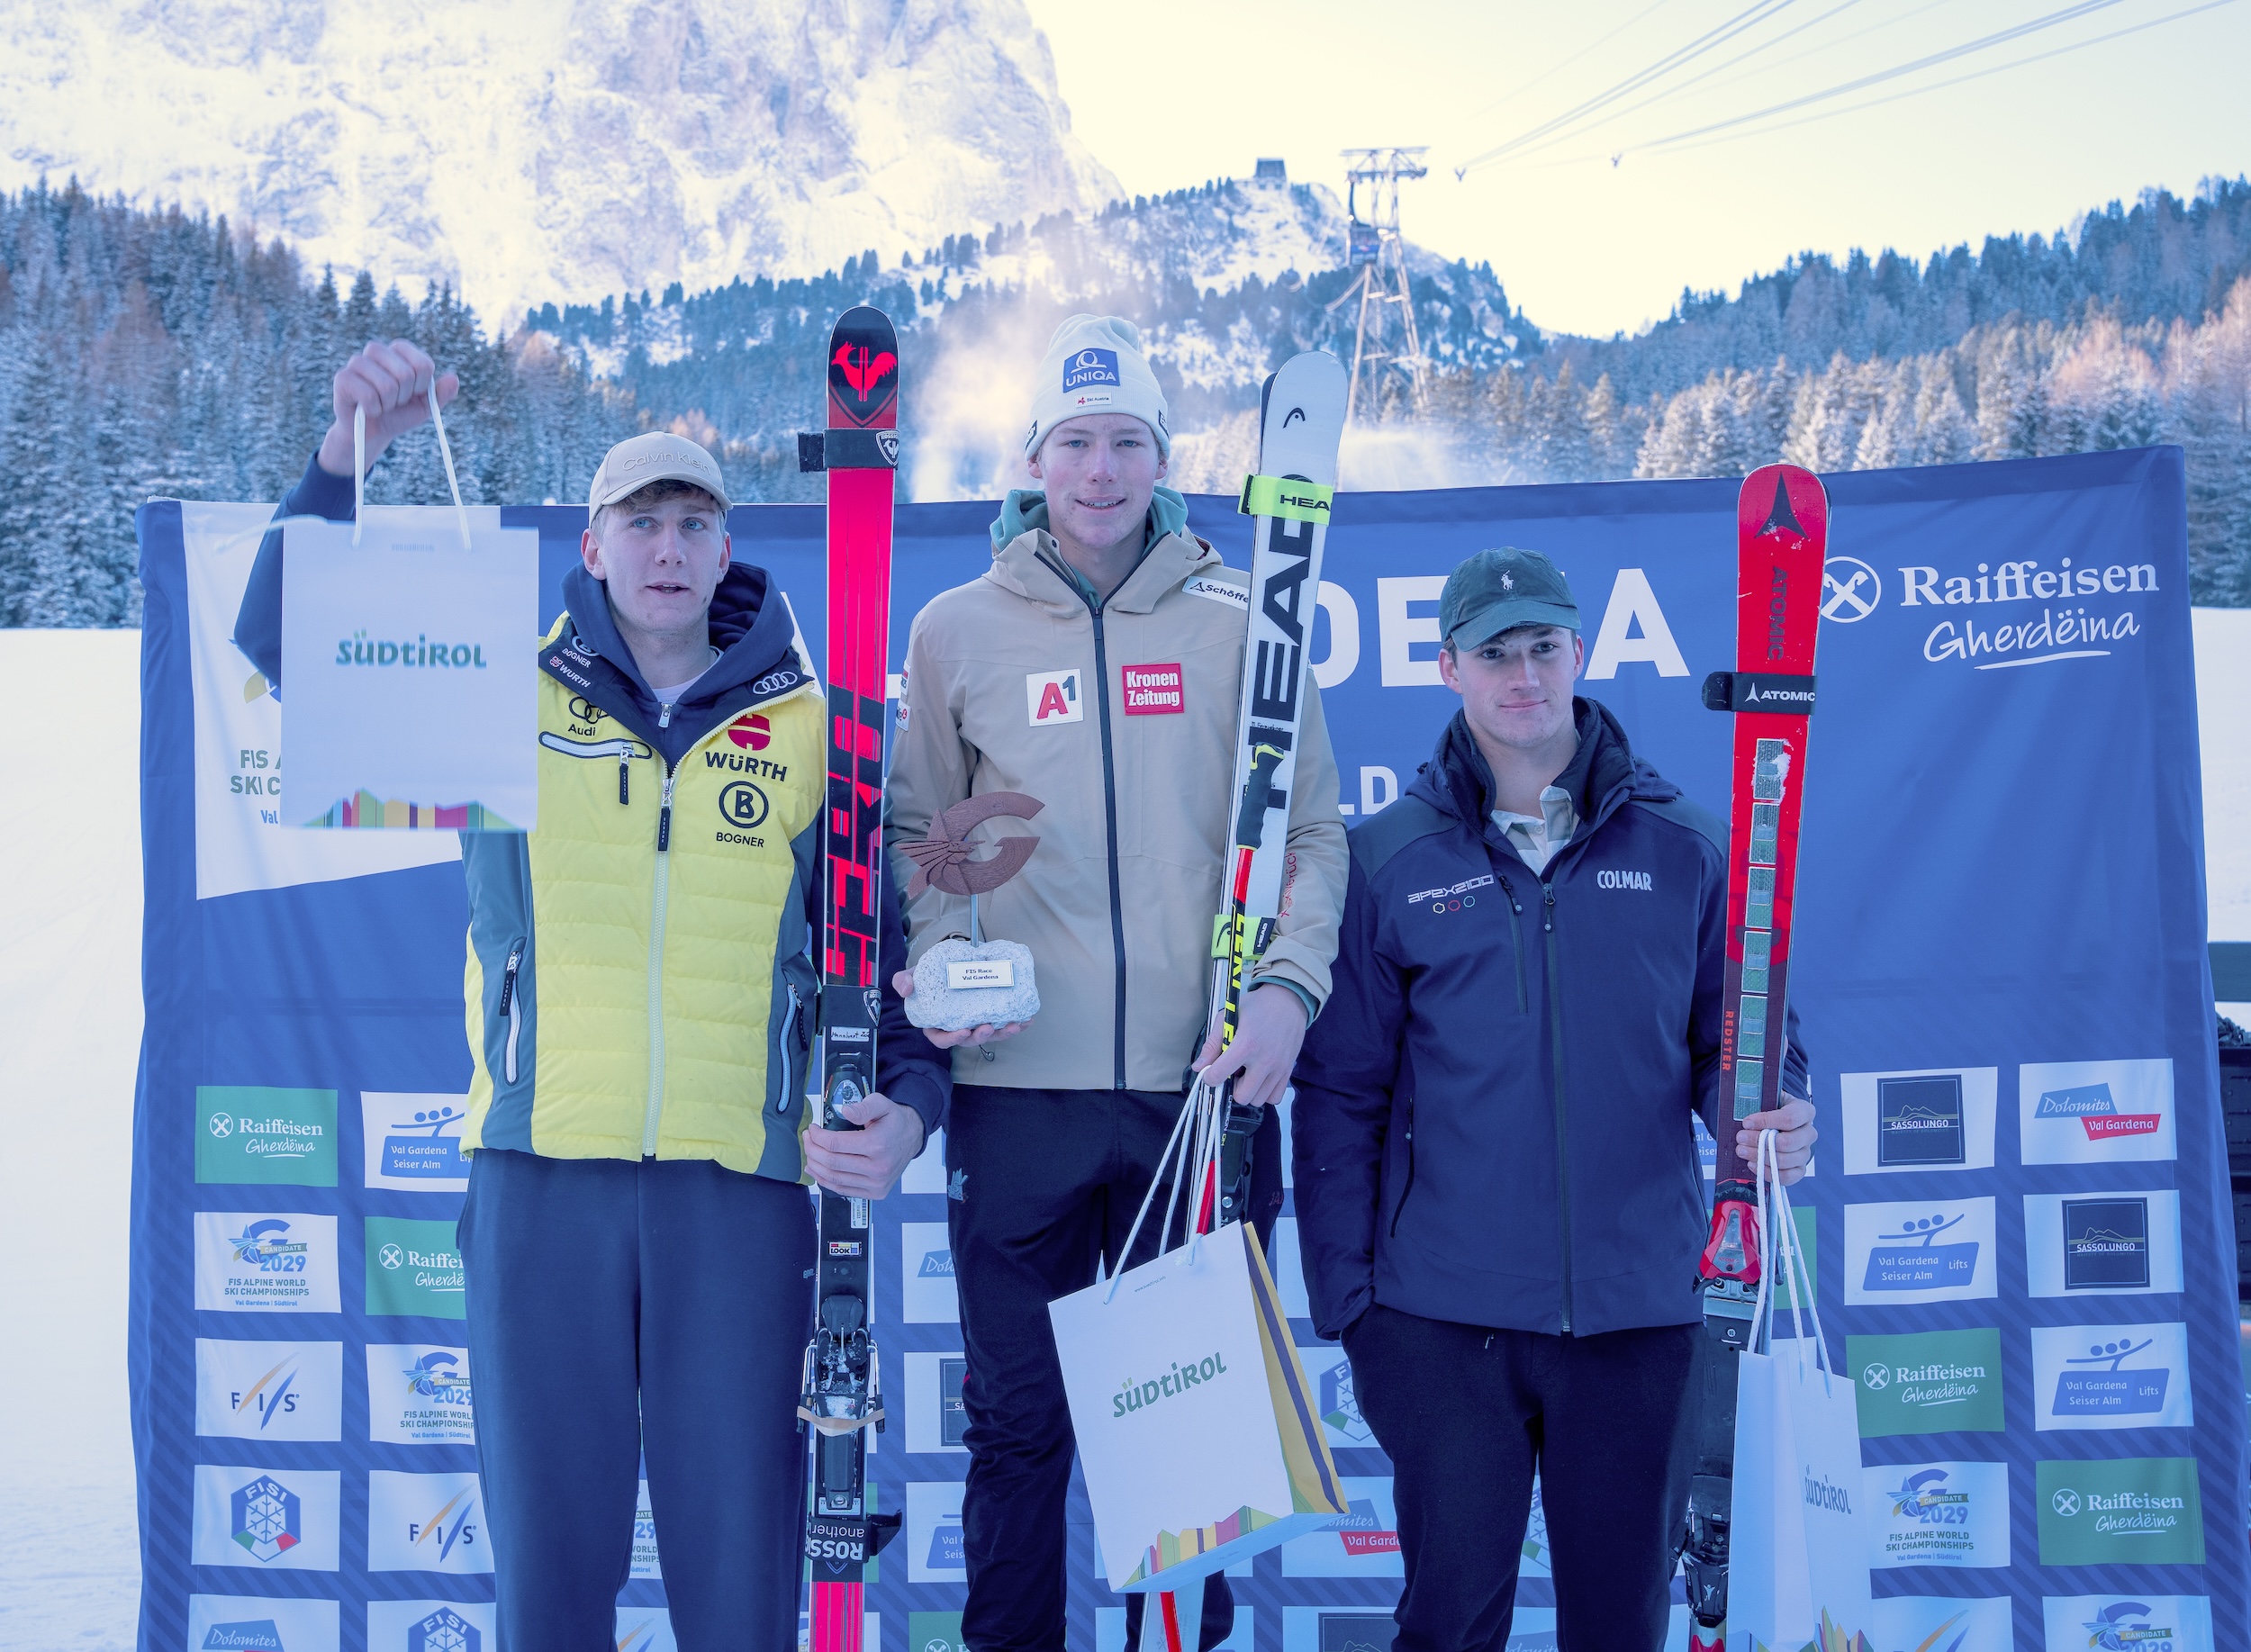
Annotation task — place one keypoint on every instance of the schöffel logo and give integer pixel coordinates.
(1613, 878)
(2106, 1245)
(269, 1520)
(1918, 1120)
(359, 649)
(1090, 366)
(1135, 1396)
(444, 1631)
(2064, 629)
(2097, 1113)
(1453, 898)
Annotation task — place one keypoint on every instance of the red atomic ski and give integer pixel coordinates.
(1782, 539)
(842, 1394)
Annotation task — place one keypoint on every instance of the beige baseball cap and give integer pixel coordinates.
(655, 456)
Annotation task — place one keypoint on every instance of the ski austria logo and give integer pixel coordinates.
(1919, 1120)
(1939, 1513)
(2111, 1377)
(1053, 697)
(1091, 366)
(2128, 1623)
(2094, 1112)
(1915, 1252)
(2061, 628)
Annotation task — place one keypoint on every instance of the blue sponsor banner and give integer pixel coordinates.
(2001, 965)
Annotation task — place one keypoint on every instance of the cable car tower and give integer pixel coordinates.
(1376, 250)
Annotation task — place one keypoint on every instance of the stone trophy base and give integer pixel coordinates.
(938, 1003)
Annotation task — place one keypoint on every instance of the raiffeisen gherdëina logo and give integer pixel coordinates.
(2069, 613)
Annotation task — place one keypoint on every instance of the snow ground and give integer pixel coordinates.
(69, 1041)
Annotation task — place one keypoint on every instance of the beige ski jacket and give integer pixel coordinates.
(1122, 722)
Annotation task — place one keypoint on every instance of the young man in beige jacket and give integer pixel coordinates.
(1019, 681)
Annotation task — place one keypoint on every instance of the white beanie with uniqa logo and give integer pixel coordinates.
(1094, 365)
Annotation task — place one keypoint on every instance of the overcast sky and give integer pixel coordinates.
(1172, 92)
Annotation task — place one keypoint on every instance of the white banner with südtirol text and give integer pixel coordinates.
(410, 666)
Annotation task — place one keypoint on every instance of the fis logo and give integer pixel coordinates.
(425, 1522)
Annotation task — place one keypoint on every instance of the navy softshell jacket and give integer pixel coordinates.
(1493, 1119)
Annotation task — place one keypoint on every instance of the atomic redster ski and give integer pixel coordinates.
(1301, 421)
(1782, 538)
(842, 1380)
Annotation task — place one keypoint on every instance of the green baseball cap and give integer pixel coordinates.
(1495, 590)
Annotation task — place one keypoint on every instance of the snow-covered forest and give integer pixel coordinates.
(151, 353)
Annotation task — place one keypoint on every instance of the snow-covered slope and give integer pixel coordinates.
(529, 152)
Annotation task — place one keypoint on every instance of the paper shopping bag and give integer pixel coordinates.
(1197, 1429)
(1798, 1551)
(410, 674)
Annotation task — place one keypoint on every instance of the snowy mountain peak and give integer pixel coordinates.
(634, 143)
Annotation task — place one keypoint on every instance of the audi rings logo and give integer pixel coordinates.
(743, 805)
(775, 682)
(584, 710)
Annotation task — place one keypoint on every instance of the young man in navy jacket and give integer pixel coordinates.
(1498, 1198)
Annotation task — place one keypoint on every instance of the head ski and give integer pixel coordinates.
(1301, 421)
(842, 1393)
(1782, 539)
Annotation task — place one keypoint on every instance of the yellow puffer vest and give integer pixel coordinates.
(638, 983)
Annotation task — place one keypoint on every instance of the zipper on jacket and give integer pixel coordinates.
(656, 969)
(1109, 816)
(1399, 1209)
(625, 768)
(1516, 935)
(664, 714)
(514, 1009)
(789, 1037)
(1562, 1148)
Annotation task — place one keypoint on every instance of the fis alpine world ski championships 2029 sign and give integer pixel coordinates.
(2020, 1216)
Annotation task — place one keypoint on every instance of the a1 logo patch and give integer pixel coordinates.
(1055, 697)
(1151, 691)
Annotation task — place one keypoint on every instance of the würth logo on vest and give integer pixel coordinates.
(1054, 697)
(1152, 689)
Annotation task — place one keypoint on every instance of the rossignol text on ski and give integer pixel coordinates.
(842, 1394)
(1781, 535)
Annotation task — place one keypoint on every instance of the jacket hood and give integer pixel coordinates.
(752, 633)
(1603, 773)
(1029, 566)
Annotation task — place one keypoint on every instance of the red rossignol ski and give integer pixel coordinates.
(842, 1393)
(1782, 539)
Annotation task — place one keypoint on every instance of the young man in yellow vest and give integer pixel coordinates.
(639, 1244)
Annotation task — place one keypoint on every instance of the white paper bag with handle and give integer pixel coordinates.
(410, 669)
(1798, 1553)
(1197, 1430)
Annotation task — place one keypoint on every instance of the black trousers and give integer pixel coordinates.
(1468, 1413)
(1046, 1183)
